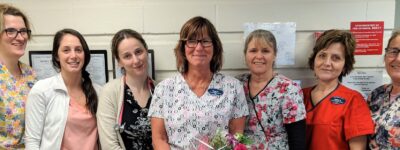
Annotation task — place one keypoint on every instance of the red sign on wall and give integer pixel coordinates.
(369, 37)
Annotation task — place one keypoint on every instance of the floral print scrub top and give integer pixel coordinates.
(13, 94)
(385, 112)
(187, 116)
(279, 103)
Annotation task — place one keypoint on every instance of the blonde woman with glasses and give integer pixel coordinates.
(384, 101)
(16, 78)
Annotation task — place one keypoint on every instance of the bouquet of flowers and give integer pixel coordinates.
(223, 141)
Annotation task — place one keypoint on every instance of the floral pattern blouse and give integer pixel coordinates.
(13, 94)
(187, 116)
(385, 112)
(137, 131)
(279, 103)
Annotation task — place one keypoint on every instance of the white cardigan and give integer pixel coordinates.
(108, 114)
(46, 114)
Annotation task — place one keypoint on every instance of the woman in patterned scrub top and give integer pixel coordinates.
(277, 113)
(197, 101)
(16, 78)
(338, 117)
(384, 102)
(124, 102)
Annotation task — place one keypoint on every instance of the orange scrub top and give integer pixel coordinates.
(341, 115)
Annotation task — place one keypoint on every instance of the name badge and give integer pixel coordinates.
(30, 84)
(215, 92)
(337, 100)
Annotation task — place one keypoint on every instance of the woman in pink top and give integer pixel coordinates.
(60, 110)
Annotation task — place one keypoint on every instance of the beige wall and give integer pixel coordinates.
(161, 20)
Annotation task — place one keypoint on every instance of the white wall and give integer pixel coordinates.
(160, 22)
(397, 16)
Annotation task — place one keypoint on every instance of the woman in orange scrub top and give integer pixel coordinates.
(338, 117)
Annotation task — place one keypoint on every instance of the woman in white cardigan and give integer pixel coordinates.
(124, 103)
(60, 110)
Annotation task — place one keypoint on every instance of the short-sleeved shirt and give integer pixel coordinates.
(341, 115)
(385, 112)
(187, 116)
(13, 94)
(279, 102)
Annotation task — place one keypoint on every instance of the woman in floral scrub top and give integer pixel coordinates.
(384, 102)
(275, 102)
(199, 100)
(16, 78)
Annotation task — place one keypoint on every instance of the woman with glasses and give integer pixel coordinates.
(199, 100)
(277, 113)
(16, 78)
(338, 117)
(61, 110)
(124, 103)
(384, 101)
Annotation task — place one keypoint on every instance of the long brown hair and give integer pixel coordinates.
(87, 86)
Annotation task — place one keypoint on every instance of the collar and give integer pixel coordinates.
(60, 85)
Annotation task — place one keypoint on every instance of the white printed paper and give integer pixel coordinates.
(363, 81)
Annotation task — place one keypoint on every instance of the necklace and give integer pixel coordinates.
(198, 88)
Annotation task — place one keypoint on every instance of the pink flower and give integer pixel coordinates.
(282, 87)
(240, 146)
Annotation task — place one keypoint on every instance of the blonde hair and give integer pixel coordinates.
(6, 9)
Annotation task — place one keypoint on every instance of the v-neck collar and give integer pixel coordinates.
(7, 71)
(322, 99)
(191, 91)
(262, 89)
(134, 102)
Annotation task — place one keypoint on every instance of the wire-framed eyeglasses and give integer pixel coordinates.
(392, 52)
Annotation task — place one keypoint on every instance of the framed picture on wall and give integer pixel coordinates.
(41, 62)
(117, 72)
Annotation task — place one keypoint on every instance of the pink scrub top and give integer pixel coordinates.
(80, 130)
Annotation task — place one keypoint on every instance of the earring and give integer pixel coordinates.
(123, 71)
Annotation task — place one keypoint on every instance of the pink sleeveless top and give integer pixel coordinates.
(80, 130)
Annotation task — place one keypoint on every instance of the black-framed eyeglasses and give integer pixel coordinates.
(193, 43)
(392, 52)
(13, 33)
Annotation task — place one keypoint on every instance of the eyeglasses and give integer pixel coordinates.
(193, 43)
(13, 33)
(392, 52)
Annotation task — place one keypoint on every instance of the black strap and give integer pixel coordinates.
(259, 121)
